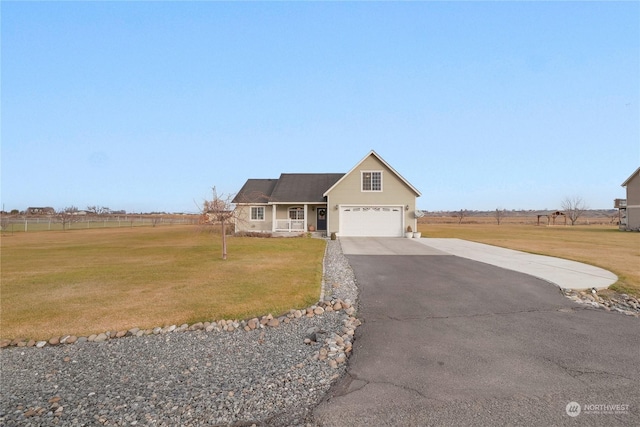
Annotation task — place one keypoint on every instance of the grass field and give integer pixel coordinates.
(29, 224)
(600, 245)
(89, 281)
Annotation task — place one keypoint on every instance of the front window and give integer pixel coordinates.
(371, 181)
(296, 213)
(257, 213)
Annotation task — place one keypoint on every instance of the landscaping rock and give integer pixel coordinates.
(273, 323)
(607, 300)
(196, 327)
(253, 323)
(255, 377)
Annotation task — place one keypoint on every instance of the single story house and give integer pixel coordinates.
(632, 185)
(41, 211)
(372, 199)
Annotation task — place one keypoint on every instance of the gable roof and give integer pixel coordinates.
(255, 191)
(381, 160)
(289, 188)
(303, 187)
(624, 184)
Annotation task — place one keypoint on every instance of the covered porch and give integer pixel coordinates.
(298, 218)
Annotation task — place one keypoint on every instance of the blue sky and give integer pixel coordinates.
(145, 106)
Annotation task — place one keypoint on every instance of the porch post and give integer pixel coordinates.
(304, 226)
(273, 218)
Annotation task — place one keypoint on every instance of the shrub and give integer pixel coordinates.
(253, 234)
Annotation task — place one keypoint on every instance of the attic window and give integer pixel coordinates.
(371, 180)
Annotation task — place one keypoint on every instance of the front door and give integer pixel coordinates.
(322, 219)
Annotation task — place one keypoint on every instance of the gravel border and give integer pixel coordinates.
(272, 375)
(606, 300)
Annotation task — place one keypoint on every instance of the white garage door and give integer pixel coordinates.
(371, 221)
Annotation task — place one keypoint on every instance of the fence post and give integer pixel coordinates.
(25, 224)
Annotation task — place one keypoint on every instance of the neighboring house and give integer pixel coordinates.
(40, 211)
(372, 199)
(632, 185)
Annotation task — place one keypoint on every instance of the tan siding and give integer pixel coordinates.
(282, 212)
(633, 203)
(348, 192)
(244, 222)
(633, 190)
(633, 218)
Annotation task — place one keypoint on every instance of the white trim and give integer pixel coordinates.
(377, 156)
(274, 212)
(624, 184)
(297, 209)
(289, 225)
(350, 205)
(297, 203)
(362, 172)
(264, 213)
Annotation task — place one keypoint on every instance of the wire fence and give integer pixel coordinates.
(52, 223)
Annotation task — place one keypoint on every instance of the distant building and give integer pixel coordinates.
(632, 203)
(40, 211)
(552, 216)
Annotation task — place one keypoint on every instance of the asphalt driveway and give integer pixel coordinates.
(447, 340)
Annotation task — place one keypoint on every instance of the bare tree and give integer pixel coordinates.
(573, 208)
(499, 215)
(461, 215)
(98, 210)
(219, 210)
(4, 221)
(67, 216)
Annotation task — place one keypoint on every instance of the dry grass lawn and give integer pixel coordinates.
(600, 245)
(91, 281)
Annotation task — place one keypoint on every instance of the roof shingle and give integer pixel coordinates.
(303, 187)
(289, 188)
(255, 191)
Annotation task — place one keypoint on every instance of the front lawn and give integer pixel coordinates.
(90, 281)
